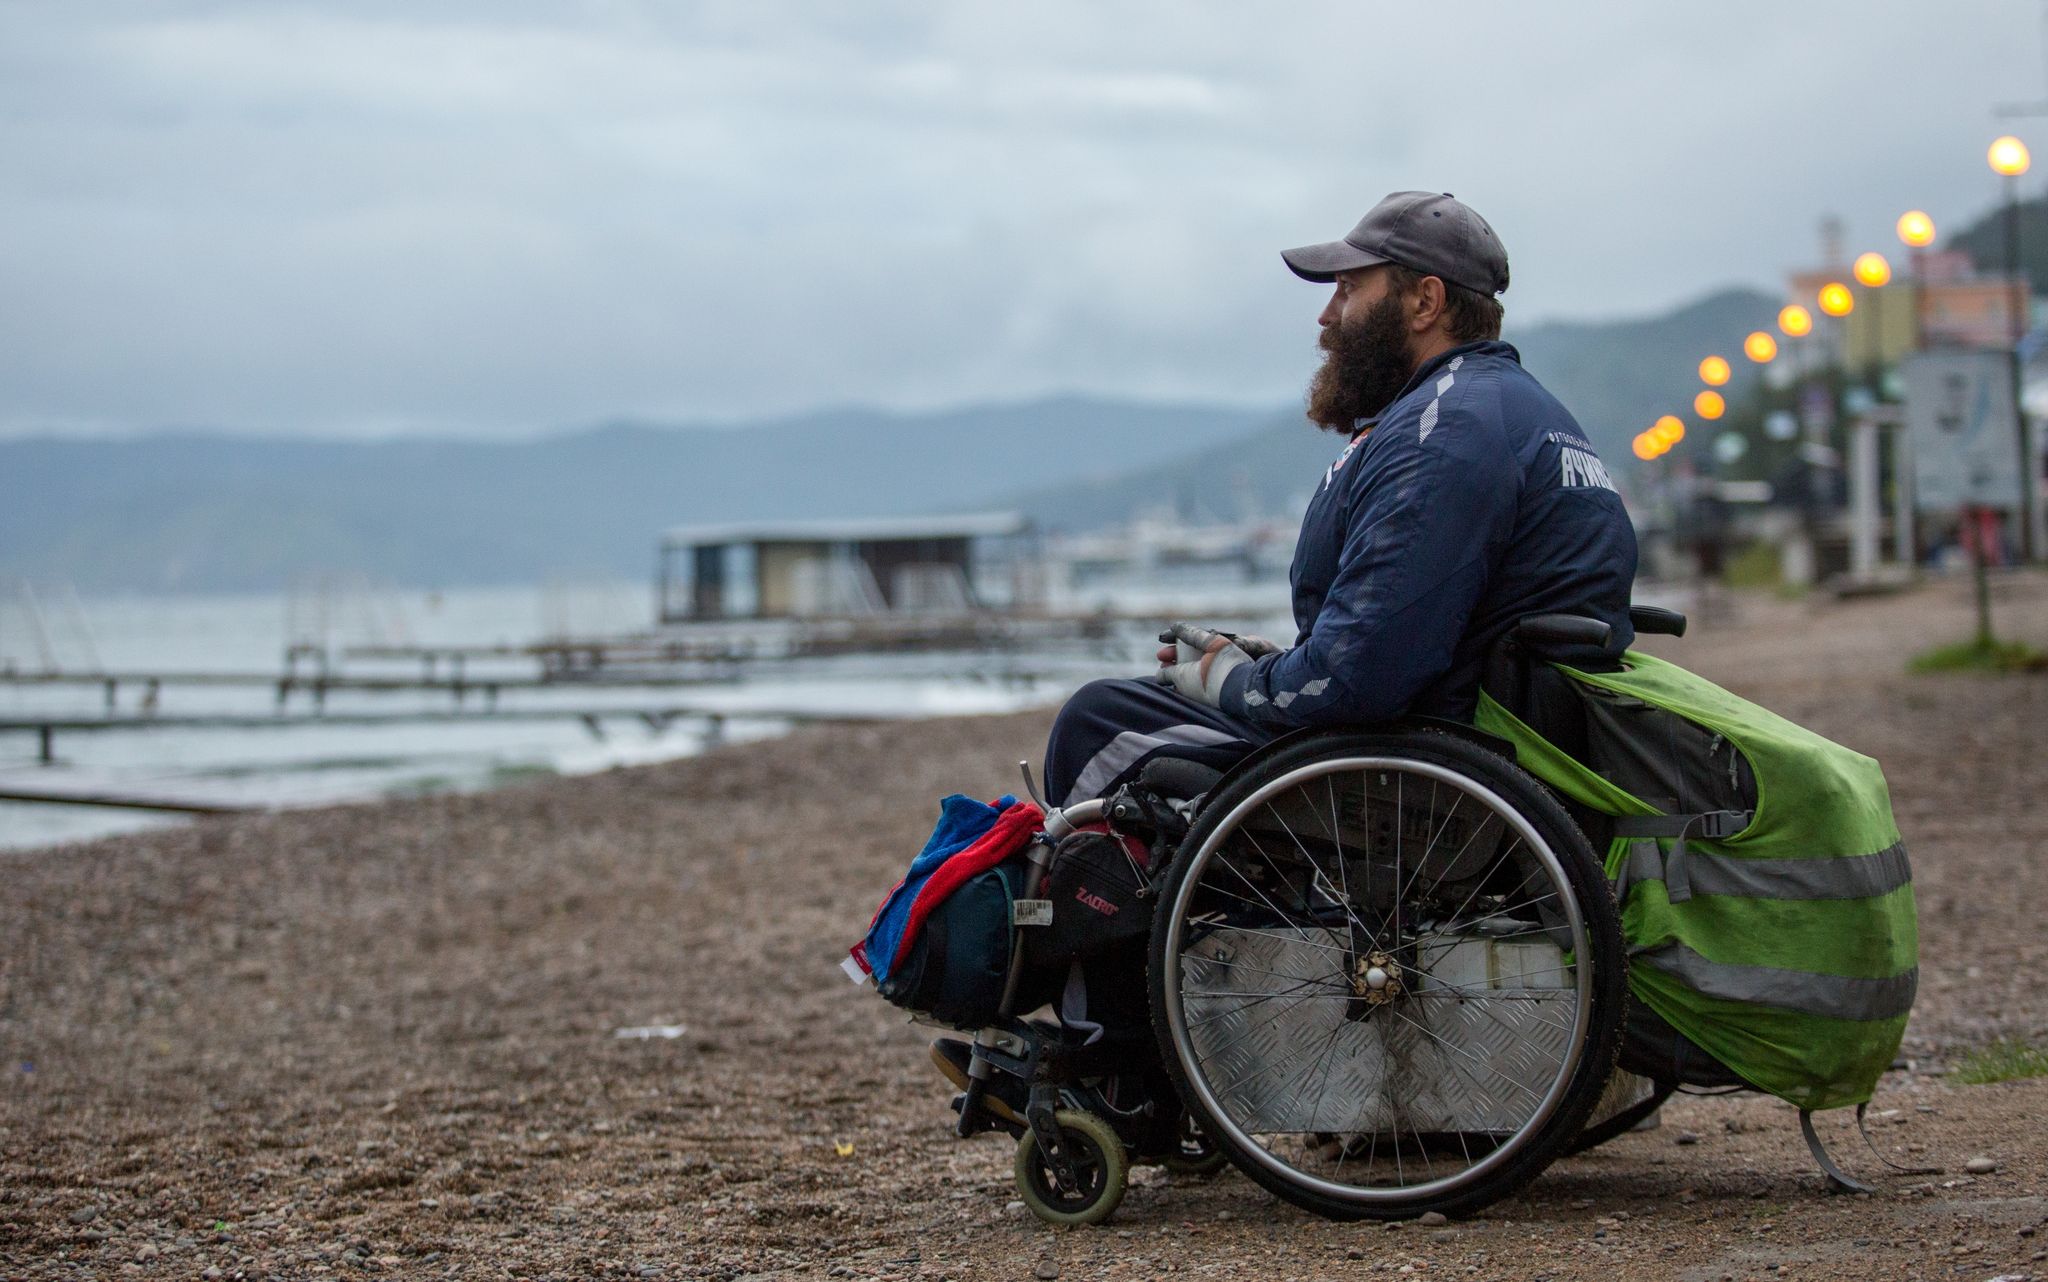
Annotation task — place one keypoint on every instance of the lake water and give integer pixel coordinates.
(304, 762)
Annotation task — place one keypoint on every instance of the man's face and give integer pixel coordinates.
(1366, 351)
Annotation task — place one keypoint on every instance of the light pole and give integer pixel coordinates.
(1873, 272)
(2009, 159)
(1836, 301)
(1916, 232)
(1795, 322)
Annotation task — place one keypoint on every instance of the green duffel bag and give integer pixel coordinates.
(1765, 894)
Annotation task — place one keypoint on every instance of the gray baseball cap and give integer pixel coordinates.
(1424, 231)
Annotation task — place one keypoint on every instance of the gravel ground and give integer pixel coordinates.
(381, 1039)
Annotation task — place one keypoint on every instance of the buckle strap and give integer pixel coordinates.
(1711, 825)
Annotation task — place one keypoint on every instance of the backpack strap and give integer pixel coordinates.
(1648, 862)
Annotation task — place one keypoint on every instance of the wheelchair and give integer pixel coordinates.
(1385, 972)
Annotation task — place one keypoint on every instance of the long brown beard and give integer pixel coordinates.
(1365, 366)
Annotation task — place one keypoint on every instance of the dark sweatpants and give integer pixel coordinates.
(1104, 734)
(1110, 728)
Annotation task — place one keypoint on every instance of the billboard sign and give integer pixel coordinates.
(1964, 429)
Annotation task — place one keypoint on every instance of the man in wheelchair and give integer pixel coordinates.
(1464, 499)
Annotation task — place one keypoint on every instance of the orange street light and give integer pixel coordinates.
(1709, 405)
(1667, 431)
(1796, 321)
(1836, 300)
(1645, 448)
(1872, 270)
(1760, 347)
(1916, 229)
(1714, 371)
(2008, 156)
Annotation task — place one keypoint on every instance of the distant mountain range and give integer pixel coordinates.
(215, 512)
(192, 511)
(1616, 377)
(1984, 241)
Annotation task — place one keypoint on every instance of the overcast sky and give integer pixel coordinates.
(501, 218)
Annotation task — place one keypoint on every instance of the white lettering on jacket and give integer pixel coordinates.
(1582, 470)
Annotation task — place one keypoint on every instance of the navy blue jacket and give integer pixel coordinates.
(1471, 501)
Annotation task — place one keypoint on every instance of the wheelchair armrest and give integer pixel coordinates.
(1541, 630)
(1178, 777)
(1656, 620)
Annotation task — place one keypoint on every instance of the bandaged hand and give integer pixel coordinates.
(1256, 647)
(1196, 660)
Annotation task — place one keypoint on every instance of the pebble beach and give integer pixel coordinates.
(594, 1027)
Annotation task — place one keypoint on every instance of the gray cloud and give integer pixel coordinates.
(501, 218)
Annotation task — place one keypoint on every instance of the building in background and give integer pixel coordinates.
(862, 568)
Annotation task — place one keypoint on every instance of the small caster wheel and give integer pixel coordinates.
(1198, 1154)
(1100, 1168)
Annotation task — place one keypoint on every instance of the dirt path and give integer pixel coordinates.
(380, 1040)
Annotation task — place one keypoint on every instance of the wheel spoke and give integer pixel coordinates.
(1256, 1074)
(1477, 882)
(1303, 941)
(1401, 892)
(1480, 1001)
(1461, 1053)
(1256, 970)
(1480, 998)
(1249, 903)
(1316, 869)
(1498, 912)
(1272, 907)
(1292, 999)
(1270, 1020)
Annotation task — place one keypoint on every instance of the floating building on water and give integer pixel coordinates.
(866, 568)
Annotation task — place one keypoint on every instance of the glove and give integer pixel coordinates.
(1201, 659)
(1256, 647)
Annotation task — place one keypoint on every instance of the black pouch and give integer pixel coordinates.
(956, 968)
(1094, 888)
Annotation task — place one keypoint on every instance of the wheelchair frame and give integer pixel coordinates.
(1070, 1165)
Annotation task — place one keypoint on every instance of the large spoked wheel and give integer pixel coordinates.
(1387, 974)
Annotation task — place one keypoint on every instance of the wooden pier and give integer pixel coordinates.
(317, 686)
(73, 788)
(657, 719)
(495, 683)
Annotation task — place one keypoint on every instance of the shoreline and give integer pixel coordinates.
(383, 1038)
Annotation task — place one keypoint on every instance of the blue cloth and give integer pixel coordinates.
(962, 822)
(1472, 501)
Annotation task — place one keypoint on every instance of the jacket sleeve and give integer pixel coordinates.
(1426, 525)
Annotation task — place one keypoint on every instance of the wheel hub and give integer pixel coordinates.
(1378, 979)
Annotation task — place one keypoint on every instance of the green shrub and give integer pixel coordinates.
(1974, 656)
(1755, 566)
(2002, 1061)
